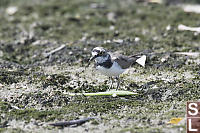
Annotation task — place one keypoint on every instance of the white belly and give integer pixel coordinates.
(115, 70)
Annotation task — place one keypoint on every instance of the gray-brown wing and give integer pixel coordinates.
(124, 61)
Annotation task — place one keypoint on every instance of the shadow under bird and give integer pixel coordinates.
(112, 64)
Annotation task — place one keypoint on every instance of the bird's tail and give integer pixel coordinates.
(142, 60)
(139, 58)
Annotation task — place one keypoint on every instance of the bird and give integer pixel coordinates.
(113, 64)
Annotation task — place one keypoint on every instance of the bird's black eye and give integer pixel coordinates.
(102, 52)
(96, 51)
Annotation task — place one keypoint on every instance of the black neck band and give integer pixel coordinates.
(107, 64)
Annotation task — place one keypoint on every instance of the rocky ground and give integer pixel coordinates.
(45, 46)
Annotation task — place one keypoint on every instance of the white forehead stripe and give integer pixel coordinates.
(99, 49)
(94, 53)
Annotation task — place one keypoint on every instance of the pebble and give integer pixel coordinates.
(118, 40)
(137, 39)
(1, 53)
(168, 27)
(111, 16)
(11, 10)
(112, 27)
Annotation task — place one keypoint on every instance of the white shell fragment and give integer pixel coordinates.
(194, 54)
(118, 40)
(11, 10)
(168, 27)
(191, 8)
(182, 27)
(137, 39)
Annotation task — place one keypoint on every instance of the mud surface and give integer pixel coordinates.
(34, 82)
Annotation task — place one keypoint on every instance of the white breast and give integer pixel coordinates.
(115, 70)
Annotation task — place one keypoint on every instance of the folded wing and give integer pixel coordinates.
(126, 61)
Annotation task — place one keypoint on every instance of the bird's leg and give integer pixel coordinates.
(111, 86)
(118, 82)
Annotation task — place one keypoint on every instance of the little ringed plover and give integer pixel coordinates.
(112, 65)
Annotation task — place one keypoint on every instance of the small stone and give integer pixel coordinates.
(94, 5)
(1, 53)
(111, 16)
(116, 33)
(114, 95)
(11, 10)
(49, 77)
(70, 53)
(112, 27)
(83, 38)
(77, 16)
(118, 40)
(196, 33)
(165, 58)
(87, 17)
(13, 86)
(37, 42)
(137, 39)
(168, 27)
(97, 5)
(108, 41)
(155, 38)
(1, 85)
(181, 129)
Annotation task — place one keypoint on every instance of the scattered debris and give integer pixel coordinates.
(182, 27)
(191, 8)
(11, 10)
(194, 54)
(116, 33)
(107, 41)
(70, 53)
(97, 5)
(155, 1)
(41, 42)
(168, 27)
(111, 16)
(1, 85)
(118, 41)
(107, 93)
(165, 58)
(54, 51)
(72, 123)
(151, 1)
(1, 53)
(112, 27)
(114, 95)
(75, 18)
(137, 39)
(175, 120)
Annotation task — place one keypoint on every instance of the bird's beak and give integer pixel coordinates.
(94, 55)
(91, 59)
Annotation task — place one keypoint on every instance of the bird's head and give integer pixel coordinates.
(98, 53)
